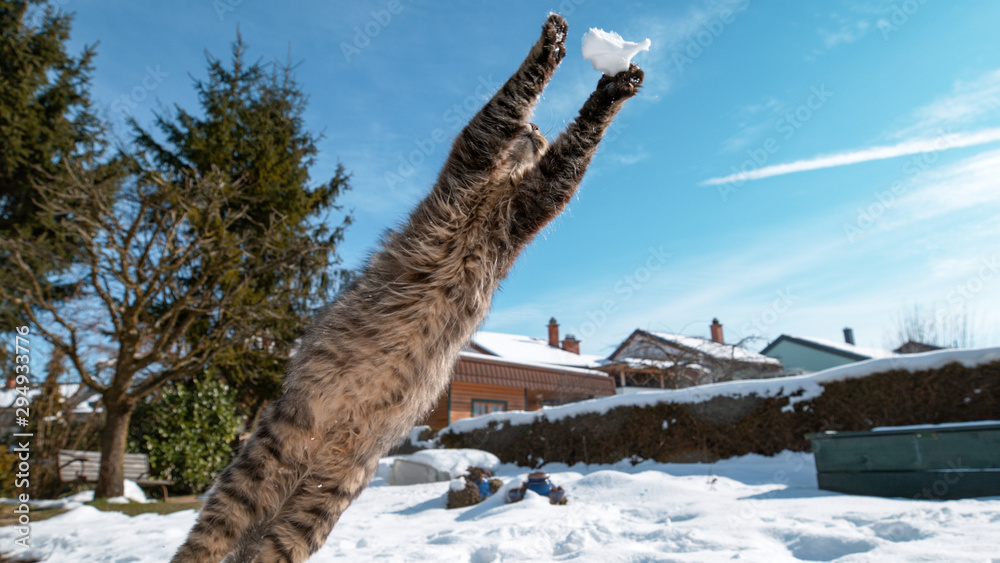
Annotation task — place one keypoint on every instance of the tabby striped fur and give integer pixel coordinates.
(377, 359)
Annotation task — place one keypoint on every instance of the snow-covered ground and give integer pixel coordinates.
(750, 508)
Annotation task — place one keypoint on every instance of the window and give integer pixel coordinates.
(484, 406)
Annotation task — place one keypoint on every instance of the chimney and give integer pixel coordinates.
(553, 333)
(571, 344)
(717, 331)
(849, 336)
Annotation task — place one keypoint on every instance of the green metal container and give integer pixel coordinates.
(934, 462)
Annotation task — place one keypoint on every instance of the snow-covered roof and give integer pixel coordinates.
(498, 359)
(528, 349)
(86, 406)
(872, 353)
(716, 350)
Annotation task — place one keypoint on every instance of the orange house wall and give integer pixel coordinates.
(463, 393)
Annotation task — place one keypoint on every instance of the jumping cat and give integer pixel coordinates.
(375, 362)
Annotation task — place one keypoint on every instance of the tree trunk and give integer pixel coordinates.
(111, 479)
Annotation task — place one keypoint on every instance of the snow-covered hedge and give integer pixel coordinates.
(741, 417)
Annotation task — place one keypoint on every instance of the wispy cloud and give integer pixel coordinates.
(674, 39)
(944, 142)
(848, 32)
(970, 101)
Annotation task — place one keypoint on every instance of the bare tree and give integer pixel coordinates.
(942, 328)
(159, 259)
(686, 361)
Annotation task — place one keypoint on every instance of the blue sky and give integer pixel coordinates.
(789, 167)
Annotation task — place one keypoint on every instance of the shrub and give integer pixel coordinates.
(731, 426)
(187, 432)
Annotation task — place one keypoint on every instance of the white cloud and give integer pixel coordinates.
(969, 102)
(848, 32)
(968, 184)
(918, 146)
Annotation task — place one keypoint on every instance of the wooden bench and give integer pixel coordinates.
(79, 466)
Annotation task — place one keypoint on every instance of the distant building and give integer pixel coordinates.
(807, 354)
(666, 360)
(913, 347)
(502, 372)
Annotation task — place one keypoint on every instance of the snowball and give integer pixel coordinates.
(608, 52)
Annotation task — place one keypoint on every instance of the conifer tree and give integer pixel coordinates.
(251, 131)
(45, 116)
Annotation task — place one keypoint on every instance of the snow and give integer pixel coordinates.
(874, 353)
(414, 437)
(455, 462)
(751, 508)
(945, 426)
(583, 371)
(608, 52)
(133, 493)
(716, 350)
(534, 350)
(797, 388)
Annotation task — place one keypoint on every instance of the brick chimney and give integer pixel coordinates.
(553, 333)
(849, 336)
(717, 331)
(571, 344)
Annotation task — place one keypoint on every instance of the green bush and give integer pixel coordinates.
(187, 432)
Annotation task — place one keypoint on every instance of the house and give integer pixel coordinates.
(667, 360)
(914, 347)
(802, 354)
(79, 401)
(501, 372)
(529, 349)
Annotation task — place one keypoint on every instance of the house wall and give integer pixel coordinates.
(462, 395)
(438, 418)
(797, 356)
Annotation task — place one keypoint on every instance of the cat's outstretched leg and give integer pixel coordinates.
(336, 477)
(252, 489)
(483, 140)
(547, 189)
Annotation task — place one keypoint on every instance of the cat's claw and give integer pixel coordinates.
(553, 40)
(623, 85)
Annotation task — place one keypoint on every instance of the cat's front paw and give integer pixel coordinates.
(623, 85)
(552, 44)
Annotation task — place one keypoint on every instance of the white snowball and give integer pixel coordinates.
(608, 52)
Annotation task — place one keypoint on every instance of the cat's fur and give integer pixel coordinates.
(378, 358)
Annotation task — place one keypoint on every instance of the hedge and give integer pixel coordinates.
(731, 426)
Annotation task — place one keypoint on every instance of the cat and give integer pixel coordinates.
(376, 360)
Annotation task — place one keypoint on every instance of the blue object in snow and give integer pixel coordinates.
(538, 482)
(484, 487)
